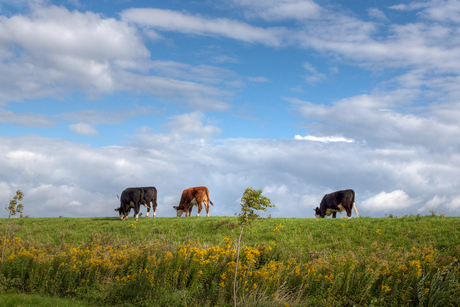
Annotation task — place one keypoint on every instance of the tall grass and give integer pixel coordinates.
(410, 261)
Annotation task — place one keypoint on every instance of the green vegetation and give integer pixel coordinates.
(33, 300)
(251, 200)
(405, 261)
(12, 209)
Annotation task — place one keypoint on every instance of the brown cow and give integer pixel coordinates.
(193, 196)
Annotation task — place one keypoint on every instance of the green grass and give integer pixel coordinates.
(297, 236)
(33, 300)
(405, 261)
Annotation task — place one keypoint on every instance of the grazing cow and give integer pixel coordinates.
(193, 196)
(150, 195)
(130, 198)
(337, 202)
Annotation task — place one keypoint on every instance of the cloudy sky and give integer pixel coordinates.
(296, 97)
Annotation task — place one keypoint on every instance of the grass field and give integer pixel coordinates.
(403, 261)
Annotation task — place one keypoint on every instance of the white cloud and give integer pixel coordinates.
(313, 75)
(275, 10)
(377, 14)
(434, 203)
(169, 20)
(438, 10)
(371, 118)
(325, 139)
(191, 125)
(385, 202)
(54, 51)
(59, 49)
(83, 129)
(57, 176)
(202, 73)
(94, 117)
(22, 119)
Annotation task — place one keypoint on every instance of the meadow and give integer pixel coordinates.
(393, 261)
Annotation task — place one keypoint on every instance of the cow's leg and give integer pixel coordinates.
(334, 214)
(136, 211)
(348, 212)
(206, 206)
(188, 211)
(148, 209)
(199, 204)
(125, 213)
(322, 213)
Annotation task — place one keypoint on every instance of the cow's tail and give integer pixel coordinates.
(356, 210)
(354, 204)
(207, 194)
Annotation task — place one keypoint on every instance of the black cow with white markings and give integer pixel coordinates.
(150, 196)
(337, 202)
(132, 198)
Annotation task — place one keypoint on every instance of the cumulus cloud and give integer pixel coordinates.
(64, 178)
(387, 202)
(53, 51)
(83, 129)
(62, 55)
(377, 14)
(375, 119)
(191, 125)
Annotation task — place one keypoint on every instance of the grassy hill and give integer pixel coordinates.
(401, 261)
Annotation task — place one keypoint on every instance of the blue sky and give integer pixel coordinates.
(295, 97)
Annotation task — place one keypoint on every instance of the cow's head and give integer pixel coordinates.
(179, 211)
(120, 212)
(317, 212)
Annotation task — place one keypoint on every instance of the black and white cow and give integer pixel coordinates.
(130, 198)
(337, 202)
(150, 196)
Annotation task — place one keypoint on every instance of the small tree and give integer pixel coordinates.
(12, 209)
(251, 200)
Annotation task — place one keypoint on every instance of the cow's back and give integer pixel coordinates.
(150, 194)
(347, 196)
(131, 194)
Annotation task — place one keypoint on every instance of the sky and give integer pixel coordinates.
(296, 97)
